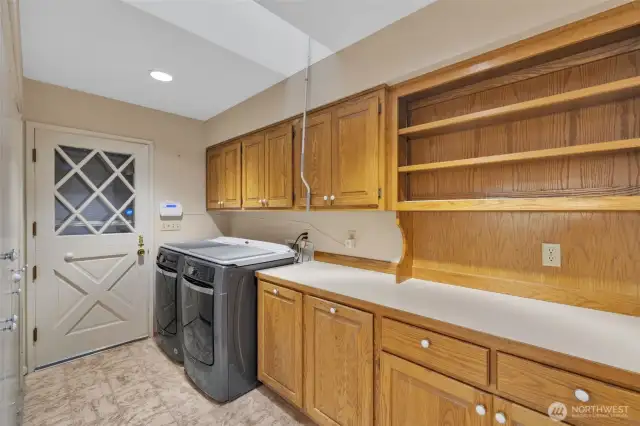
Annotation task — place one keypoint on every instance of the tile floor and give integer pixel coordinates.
(136, 384)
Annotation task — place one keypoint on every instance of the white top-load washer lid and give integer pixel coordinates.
(242, 252)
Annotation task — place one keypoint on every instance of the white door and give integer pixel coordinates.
(92, 207)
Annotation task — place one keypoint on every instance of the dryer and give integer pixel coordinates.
(167, 314)
(219, 313)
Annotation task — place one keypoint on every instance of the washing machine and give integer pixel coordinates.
(219, 313)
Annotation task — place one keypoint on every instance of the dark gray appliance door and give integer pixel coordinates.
(197, 320)
(165, 301)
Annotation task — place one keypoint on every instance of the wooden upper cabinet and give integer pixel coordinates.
(231, 157)
(280, 340)
(317, 160)
(215, 173)
(279, 166)
(355, 143)
(510, 414)
(338, 344)
(253, 171)
(412, 395)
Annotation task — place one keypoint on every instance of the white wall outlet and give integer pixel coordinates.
(171, 225)
(350, 242)
(551, 255)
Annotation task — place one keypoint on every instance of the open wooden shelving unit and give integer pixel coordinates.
(619, 90)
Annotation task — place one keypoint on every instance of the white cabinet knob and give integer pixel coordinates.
(333, 197)
(332, 310)
(275, 291)
(16, 277)
(581, 395)
(501, 418)
(481, 410)
(424, 343)
(326, 197)
(68, 257)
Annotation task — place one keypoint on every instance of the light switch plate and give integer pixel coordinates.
(171, 225)
(551, 255)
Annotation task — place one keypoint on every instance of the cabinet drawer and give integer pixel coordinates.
(445, 354)
(539, 386)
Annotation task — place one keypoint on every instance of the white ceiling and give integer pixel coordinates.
(220, 52)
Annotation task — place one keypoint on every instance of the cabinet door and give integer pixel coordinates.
(215, 173)
(412, 395)
(253, 171)
(280, 340)
(232, 178)
(338, 344)
(317, 160)
(279, 166)
(510, 414)
(355, 153)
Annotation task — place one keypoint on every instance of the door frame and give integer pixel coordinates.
(30, 190)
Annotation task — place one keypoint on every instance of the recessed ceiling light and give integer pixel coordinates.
(161, 76)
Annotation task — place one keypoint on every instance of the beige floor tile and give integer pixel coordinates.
(47, 414)
(176, 395)
(80, 382)
(160, 419)
(48, 377)
(128, 374)
(44, 395)
(137, 385)
(139, 395)
(192, 411)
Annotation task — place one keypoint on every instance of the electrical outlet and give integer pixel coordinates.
(171, 225)
(551, 255)
(350, 242)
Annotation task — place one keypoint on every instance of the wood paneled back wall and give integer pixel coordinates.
(502, 250)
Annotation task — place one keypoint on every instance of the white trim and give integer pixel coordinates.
(30, 214)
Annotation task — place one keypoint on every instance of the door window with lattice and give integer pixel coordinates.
(94, 192)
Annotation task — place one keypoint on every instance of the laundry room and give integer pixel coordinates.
(319, 212)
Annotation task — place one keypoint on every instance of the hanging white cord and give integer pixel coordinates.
(304, 126)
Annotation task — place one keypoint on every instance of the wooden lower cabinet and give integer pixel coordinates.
(280, 340)
(510, 414)
(338, 344)
(412, 395)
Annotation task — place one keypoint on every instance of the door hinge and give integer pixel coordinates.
(34, 229)
(379, 193)
(34, 273)
(34, 156)
(35, 334)
(379, 108)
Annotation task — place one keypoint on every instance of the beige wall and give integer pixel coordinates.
(377, 236)
(179, 164)
(440, 34)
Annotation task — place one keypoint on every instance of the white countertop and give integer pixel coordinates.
(598, 336)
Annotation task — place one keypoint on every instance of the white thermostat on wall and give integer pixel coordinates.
(170, 210)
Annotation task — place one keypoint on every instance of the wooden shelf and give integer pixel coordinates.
(565, 101)
(612, 203)
(594, 148)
